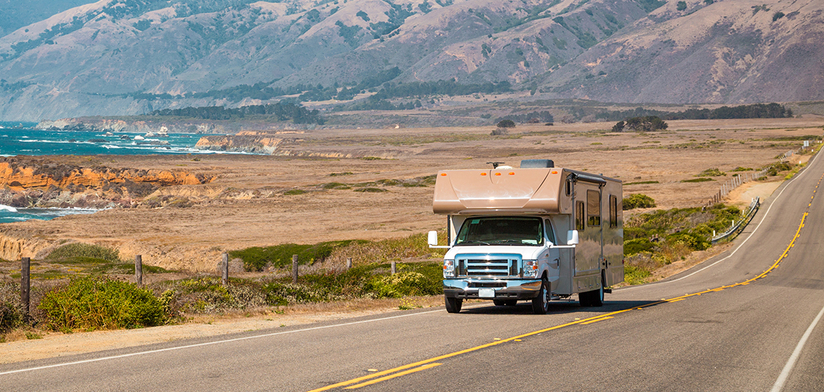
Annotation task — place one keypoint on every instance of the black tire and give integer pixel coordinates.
(505, 302)
(592, 298)
(540, 304)
(453, 305)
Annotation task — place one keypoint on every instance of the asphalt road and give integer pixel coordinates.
(745, 320)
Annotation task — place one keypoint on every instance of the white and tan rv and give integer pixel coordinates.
(534, 233)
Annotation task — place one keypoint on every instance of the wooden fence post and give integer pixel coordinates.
(394, 269)
(224, 267)
(25, 286)
(348, 263)
(294, 268)
(138, 270)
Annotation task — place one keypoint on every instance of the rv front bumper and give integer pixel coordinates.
(492, 289)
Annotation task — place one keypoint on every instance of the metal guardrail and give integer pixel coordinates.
(737, 228)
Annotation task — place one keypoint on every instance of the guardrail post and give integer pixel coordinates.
(348, 263)
(294, 268)
(138, 270)
(25, 286)
(394, 268)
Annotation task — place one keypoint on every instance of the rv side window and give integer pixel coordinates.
(550, 234)
(593, 208)
(567, 187)
(579, 215)
(613, 211)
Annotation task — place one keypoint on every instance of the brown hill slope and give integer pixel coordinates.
(135, 56)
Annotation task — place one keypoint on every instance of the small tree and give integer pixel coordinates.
(618, 127)
(506, 124)
(682, 5)
(646, 124)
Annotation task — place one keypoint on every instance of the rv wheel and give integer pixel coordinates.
(540, 304)
(592, 298)
(453, 305)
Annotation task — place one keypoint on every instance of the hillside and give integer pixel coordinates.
(123, 57)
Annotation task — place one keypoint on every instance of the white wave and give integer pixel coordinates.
(7, 208)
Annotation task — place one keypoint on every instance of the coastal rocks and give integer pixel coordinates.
(95, 124)
(249, 142)
(29, 182)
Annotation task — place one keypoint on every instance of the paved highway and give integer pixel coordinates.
(745, 320)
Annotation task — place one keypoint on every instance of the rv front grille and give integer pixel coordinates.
(487, 267)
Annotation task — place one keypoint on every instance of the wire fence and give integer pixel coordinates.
(733, 183)
(737, 227)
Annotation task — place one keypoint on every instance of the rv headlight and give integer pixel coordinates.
(448, 268)
(530, 268)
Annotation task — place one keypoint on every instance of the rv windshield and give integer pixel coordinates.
(501, 230)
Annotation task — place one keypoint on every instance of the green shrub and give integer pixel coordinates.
(714, 172)
(335, 185)
(80, 251)
(692, 240)
(293, 192)
(256, 258)
(95, 303)
(637, 200)
(282, 294)
(637, 245)
(636, 275)
(11, 313)
(208, 295)
(699, 179)
(373, 190)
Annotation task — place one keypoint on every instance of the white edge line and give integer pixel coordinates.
(774, 202)
(213, 343)
(788, 368)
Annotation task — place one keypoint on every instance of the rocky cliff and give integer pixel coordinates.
(247, 141)
(38, 182)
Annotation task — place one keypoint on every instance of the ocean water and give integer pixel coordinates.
(11, 214)
(22, 139)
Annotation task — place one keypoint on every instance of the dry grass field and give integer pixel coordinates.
(349, 184)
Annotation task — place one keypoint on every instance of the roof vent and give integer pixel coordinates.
(537, 164)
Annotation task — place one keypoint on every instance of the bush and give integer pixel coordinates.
(95, 303)
(499, 132)
(713, 172)
(80, 250)
(256, 258)
(398, 285)
(638, 200)
(506, 124)
(646, 124)
(208, 295)
(11, 313)
(637, 245)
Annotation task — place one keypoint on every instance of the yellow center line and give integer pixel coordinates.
(424, 367)
(429, 363)
(597, 320)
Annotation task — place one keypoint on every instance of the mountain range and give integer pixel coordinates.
(124, 57)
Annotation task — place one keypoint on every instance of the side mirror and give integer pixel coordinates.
(572, 237)
(432, 239)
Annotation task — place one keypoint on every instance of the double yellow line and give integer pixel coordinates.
(430, 363)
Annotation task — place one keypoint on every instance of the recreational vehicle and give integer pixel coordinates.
(534, 233)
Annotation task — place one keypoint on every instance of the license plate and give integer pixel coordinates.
(486, 293)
